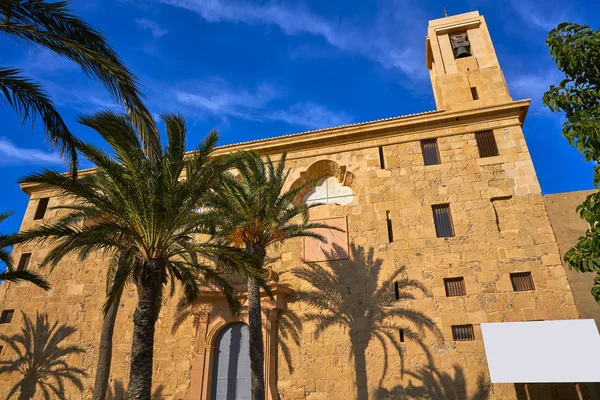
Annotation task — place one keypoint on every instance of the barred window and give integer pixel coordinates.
(24, 261)
(486, 143)
(6, 316)
(431, 154)
(41, 208)
(455, 286)
(463, 332)
(522, 281)
(442, 220)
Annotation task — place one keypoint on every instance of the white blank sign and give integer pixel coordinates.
(542, 351)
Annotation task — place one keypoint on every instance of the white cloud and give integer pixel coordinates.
(154, 27)
(310, 115)
(11, 155)
(219, 99)
(392, 39)
(543, 17)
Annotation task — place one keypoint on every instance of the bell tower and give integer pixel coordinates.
(462, 64)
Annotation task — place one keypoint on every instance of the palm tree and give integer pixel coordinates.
(255, 212)
(150, 207)
(10, 274)
(40, 359)
(52, 26)
(369, 311)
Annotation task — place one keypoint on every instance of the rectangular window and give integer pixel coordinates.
(463, 332)
(522, 281)
(24, 261)
(1, 348)
(486, 143)
(381, 158)
(389, 226)
(455, 286)
(431, 155)
(401, 334)
(474, 93)
(6, 316)
(442, 220)
(42, 205)
(396, 291)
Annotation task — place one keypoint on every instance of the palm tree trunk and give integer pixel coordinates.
(105, 351)
(257, 353)
(149, 287)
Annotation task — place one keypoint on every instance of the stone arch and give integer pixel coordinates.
(321, 169)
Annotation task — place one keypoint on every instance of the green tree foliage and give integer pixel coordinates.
(10, 274)
(576, 50)
(52, 26)
(144, 212)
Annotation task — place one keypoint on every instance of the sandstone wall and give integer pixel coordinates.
(501, 226)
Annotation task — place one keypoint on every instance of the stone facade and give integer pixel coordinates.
(568, 227)
(386, 327)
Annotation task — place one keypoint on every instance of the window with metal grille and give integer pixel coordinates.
(455, 286)
(463, 332)
(431, 155)
(522, 281)
(6, 316)
(42, 206)
(442, 220)
(24, 261)
(486, 143)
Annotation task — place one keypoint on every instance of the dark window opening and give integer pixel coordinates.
(1, 348)
(401, 334)
(389, 227)
(6, 316)
(431, 154)
(442, 220)
(522, 281)
(486, 143)
(396, 290)
(463, 332)
(474, 93)
(42, 205)
(455, 286)
(381, 158)
(24, 261)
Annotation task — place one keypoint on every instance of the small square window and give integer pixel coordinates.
(24, 261)
(42, 206)
(486, 143)
(463, 332)
(455, 286)
(522, 281)
(442, 220)
(431, 154)
(6, 316)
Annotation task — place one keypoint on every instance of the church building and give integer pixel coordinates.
(444, 228)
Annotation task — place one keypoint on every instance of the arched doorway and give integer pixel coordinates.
(231, 368)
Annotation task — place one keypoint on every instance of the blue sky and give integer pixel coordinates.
(255, 69)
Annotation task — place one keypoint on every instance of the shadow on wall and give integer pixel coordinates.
(436, 385)
(118, 391)
(348, 294)
(40, 359)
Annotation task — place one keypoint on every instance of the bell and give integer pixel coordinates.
(462, 52)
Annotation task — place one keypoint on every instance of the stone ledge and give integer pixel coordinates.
(489, 160)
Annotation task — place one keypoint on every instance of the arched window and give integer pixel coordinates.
(329, 190)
